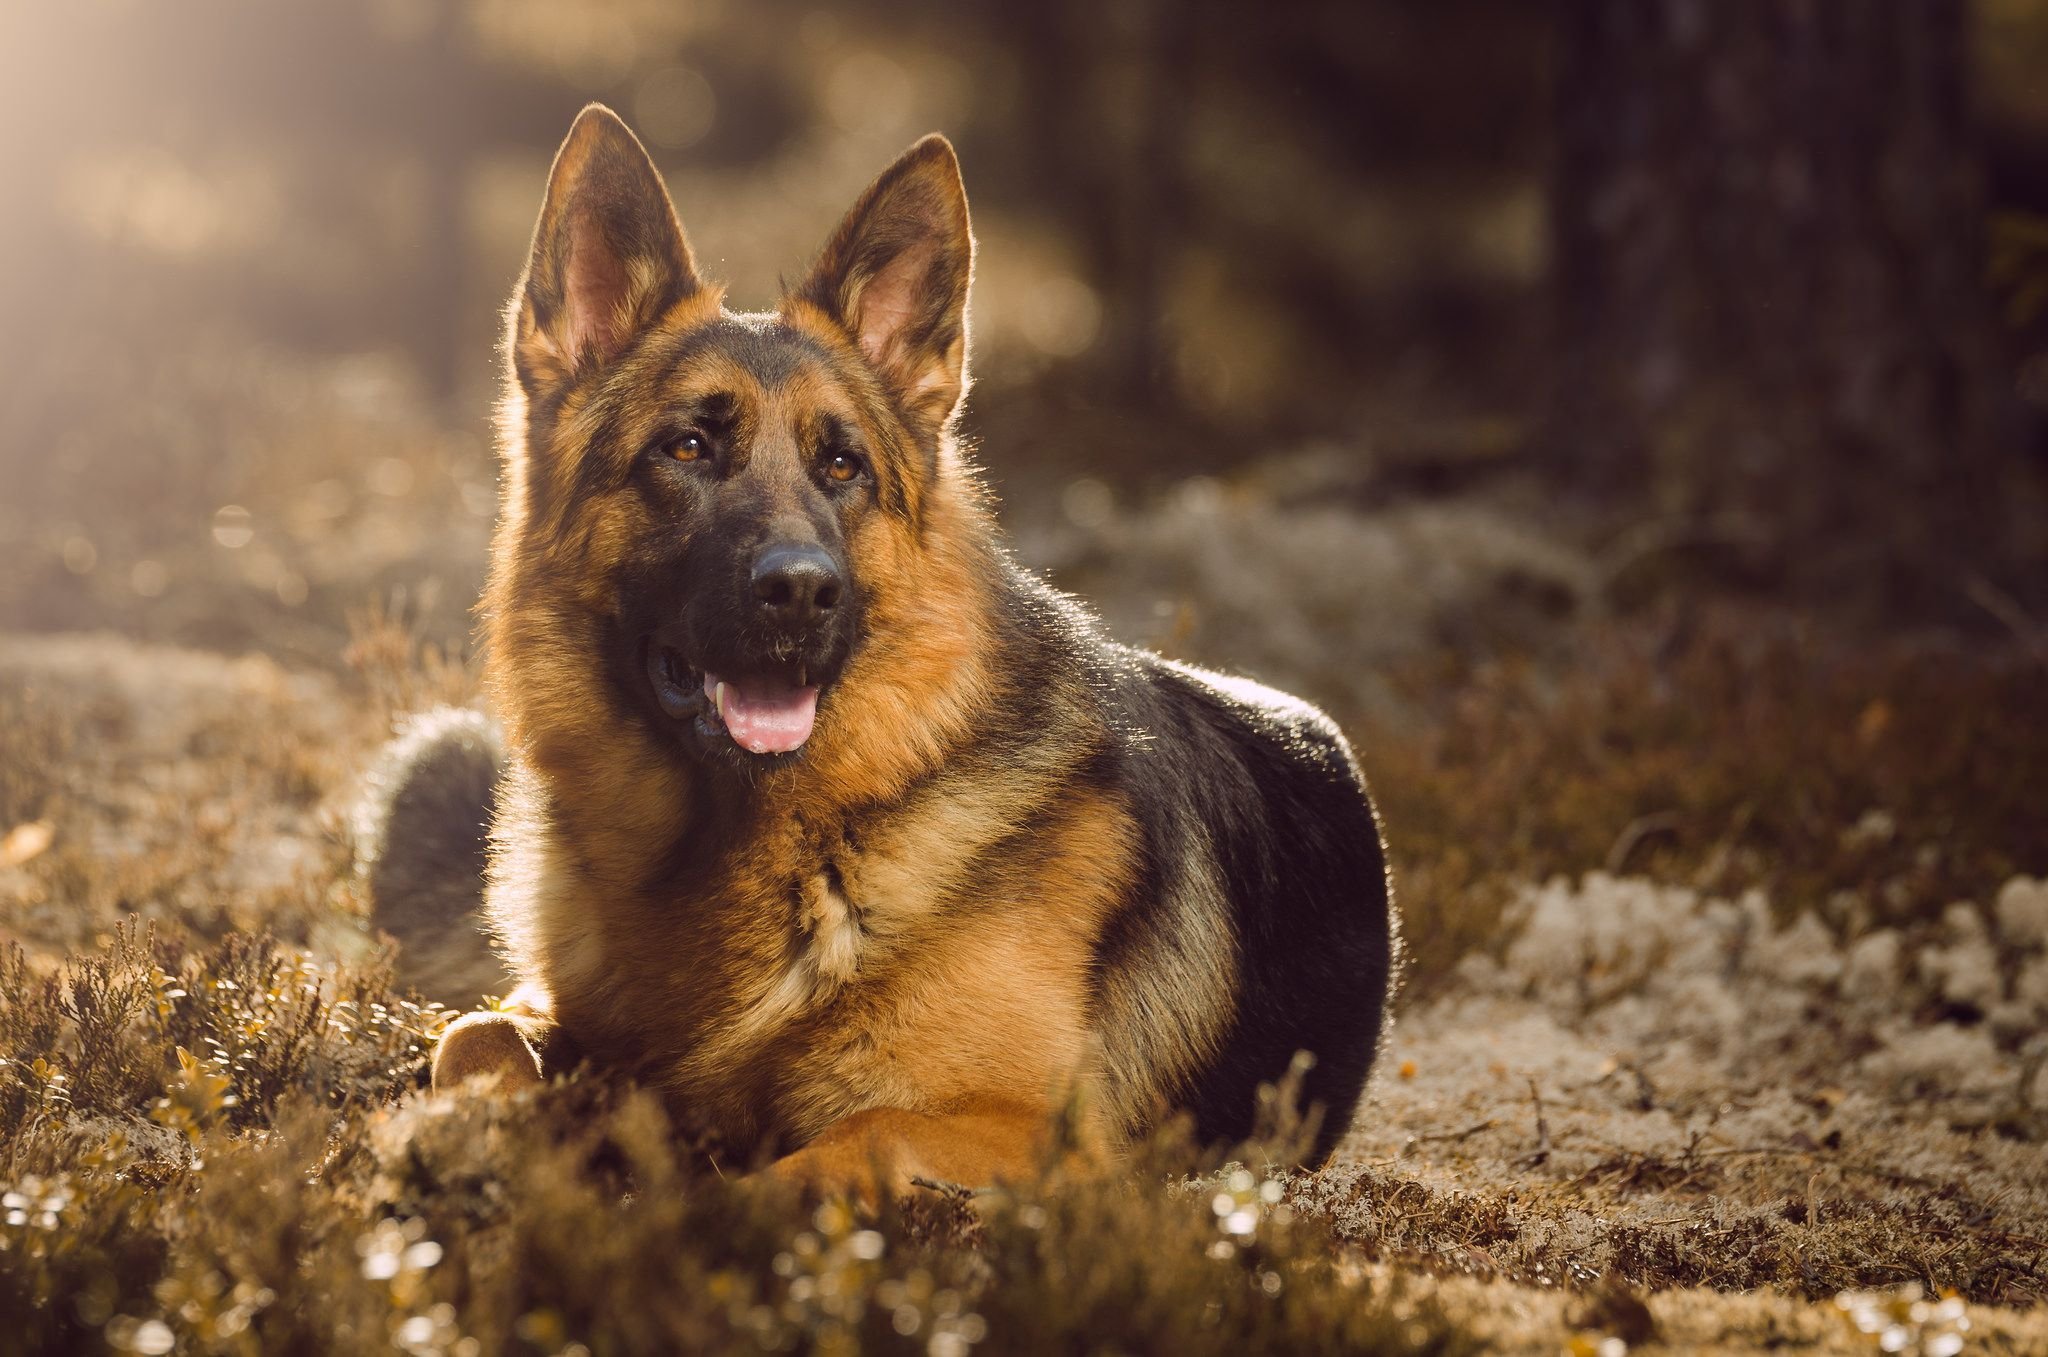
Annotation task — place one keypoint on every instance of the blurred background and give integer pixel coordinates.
(1629, 418)
(1308, 336)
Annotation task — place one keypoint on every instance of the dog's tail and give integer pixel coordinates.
(421, 844)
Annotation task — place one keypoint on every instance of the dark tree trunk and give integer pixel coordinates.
(1768, 231)
(1107, 92)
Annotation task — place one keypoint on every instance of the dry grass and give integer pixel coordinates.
(1944, 1239)
(212, 1131)
(1873, 783)
(224, 1145)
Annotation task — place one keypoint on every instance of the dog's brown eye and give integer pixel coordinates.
(843, 466)
(688, 448)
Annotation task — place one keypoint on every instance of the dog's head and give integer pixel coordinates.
(715, 512)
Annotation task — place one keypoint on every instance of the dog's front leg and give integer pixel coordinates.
(506, 1044)
(885, 1150)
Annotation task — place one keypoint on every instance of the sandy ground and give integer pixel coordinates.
(1652, 1085)
(1646, 1115)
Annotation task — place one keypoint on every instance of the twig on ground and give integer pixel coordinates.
(1632, 837)
(1541, 1154)
(2008, 611)
(946, 1189)
(1465, 1134)
(1847, 1165)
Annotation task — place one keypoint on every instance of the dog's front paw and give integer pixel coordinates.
(486, 1045)
(818, 1172)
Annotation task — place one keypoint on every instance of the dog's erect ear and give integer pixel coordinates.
(895, 275)
(608, 257)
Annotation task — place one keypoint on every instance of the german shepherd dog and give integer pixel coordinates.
(816, 812)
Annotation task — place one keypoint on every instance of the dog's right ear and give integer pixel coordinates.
(609, 257)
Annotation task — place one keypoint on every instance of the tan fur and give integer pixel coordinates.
(887, 1150)
(906, 998)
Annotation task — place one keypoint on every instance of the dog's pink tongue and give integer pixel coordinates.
(763, 717)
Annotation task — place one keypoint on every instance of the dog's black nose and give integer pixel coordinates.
(796, 585)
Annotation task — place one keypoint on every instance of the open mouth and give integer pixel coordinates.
(762, 714)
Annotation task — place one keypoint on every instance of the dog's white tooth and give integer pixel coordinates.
(803, 675)
(718, 700)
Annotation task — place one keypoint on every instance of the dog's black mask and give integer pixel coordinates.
(738, 615)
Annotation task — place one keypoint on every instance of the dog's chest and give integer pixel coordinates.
(902, 963)
(794, 952)
(829, 932)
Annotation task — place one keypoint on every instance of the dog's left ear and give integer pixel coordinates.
(895, 276)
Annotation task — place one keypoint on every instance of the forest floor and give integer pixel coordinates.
(1725, 1028)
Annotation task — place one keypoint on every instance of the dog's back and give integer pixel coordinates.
(1257, 921)
(1257, 813)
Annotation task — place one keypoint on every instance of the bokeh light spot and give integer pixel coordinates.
(149, 578)
(233, 527)
(391, 477)
(867, 92)
(1063, 316)
(675, 106)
